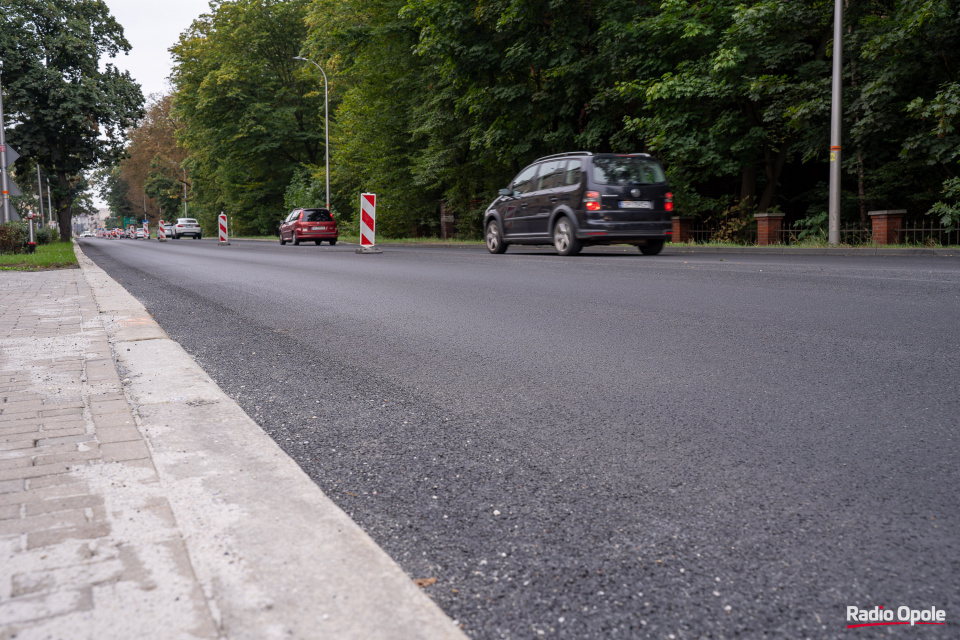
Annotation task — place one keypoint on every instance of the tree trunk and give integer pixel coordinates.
(774, 166)
(63, 209)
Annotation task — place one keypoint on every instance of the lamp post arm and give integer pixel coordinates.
(326, 124)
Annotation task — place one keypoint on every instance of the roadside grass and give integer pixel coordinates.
(57, 255)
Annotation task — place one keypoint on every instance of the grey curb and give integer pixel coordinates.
(274, 555)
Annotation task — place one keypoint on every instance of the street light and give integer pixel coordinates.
(326, 123)
(836, 123)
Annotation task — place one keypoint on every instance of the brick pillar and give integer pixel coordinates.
(768, 227)
(886, 225)
(682, 229)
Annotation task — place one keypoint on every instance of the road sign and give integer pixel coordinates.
(12, 154)
(11, 187)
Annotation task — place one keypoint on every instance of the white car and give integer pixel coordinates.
(186, 227)
(142, 235)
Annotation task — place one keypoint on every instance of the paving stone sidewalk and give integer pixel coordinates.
(144, 504)
(89, 546)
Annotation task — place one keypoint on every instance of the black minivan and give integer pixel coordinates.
(576, 199)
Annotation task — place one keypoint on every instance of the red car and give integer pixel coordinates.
(309, 224)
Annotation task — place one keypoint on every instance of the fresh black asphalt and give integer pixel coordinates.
(605, 446)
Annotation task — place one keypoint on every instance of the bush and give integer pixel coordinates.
(13, 237)
(46, 235)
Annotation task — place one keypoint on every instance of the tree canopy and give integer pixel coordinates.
(437, 103)
(63, 110)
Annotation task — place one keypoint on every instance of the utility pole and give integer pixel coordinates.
(49, 205)
(185, 192)
(836, 123)
(40, 193)
(4, 187)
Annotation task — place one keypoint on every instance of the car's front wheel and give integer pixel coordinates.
(564, 239)
(495, 243)
(282, 241)
(652, 248)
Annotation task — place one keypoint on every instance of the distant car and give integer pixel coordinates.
(572, 200)
(142, 235)
(309, 224)
(186, 227)
(86, 234)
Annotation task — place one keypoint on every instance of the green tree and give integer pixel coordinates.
(116, 192)
(64, 110)
(249, 113)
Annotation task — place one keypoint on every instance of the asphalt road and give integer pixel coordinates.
(605, 446)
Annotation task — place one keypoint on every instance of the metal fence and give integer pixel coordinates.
(919, 234)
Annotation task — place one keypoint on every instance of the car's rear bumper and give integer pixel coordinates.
(317, 235)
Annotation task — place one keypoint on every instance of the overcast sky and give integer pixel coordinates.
(152, 27)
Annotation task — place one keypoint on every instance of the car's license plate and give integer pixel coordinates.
(636, 204)
(317, 228)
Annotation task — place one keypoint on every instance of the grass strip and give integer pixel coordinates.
(57, 255)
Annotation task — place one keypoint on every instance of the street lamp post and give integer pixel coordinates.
(326, 124)
(185, 192)
(836, 123)
(4, 186)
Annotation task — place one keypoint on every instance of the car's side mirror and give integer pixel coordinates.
(506, 193)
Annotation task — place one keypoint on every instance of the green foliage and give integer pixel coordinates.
(115, 191)
(306, 189)
(943, 148)
(443, 101)
(63, 109)
(13, 237)
(249, 111)
(164, 187)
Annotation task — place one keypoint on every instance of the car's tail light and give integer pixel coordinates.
(668, 205)
(592, 201)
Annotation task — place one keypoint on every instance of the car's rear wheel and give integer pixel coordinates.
(564, 239)
(652, 248)
(295, 239)
(317, 242)
(332, 242)
(495, 243)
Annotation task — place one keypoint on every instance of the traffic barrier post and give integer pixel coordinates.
(368, 223)
(162, 232)
(222, 219)
(31, 246)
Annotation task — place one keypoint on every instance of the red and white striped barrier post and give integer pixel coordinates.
(368, 223)
(162, 231)
(146, 229)
(222, 224)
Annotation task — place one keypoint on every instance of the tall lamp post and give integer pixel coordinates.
(326, 123)
(836, 123)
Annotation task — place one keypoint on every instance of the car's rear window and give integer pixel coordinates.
(187, 221)
(316, 215)
(627, 170)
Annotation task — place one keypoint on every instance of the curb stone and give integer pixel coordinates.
(272, 555)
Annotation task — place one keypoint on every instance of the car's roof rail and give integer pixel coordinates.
(565, 155)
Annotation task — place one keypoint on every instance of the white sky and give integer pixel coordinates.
(152, 27)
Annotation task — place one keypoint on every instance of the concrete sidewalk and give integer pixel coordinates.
(138, 501)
